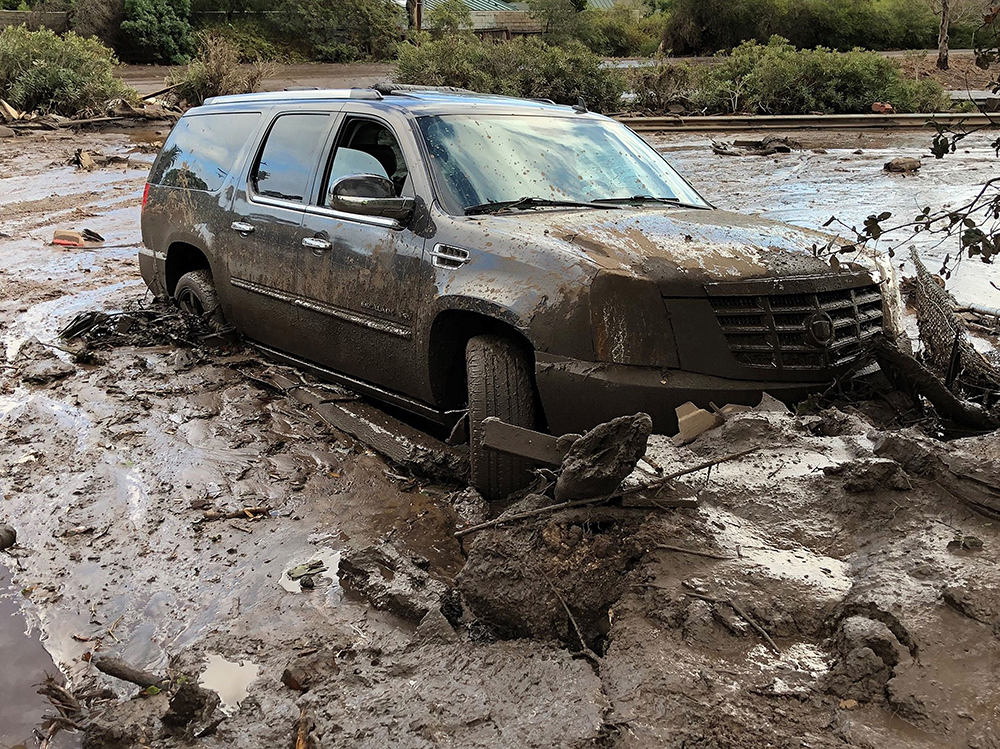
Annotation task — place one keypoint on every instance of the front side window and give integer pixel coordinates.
(289, 157)
(482, 159)
(367, 147)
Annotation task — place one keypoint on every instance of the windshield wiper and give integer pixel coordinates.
(638, 199)
(520, 203)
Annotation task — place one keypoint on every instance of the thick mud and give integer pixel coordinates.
(574, 630)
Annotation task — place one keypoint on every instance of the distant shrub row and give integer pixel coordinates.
(772, 78)
(705, 26)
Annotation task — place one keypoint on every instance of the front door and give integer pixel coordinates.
(360, 273)
(265, 236)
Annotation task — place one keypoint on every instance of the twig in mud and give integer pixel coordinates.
(585, 649)
(246, 513)
(113, 627)
(749, 619)
(658, 484)
(302, 730)
(695, 552)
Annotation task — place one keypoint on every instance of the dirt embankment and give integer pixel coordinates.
(175, 511)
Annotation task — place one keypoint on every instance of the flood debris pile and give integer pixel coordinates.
(138, 325)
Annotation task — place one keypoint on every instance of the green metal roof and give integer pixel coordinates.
(476, 5)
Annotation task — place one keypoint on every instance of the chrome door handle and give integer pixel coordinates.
(241, 226)
(317, 244)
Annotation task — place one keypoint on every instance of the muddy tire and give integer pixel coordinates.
(195, 294)
(500, 384)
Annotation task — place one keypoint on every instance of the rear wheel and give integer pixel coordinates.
(195, 294)
(500, 384)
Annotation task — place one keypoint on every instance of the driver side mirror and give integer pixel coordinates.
(369, 195)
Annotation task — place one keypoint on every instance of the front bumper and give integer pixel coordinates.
(578, 395)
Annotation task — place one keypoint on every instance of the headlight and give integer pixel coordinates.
(629, 321)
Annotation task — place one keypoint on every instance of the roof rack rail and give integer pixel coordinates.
(295, 94)
(405, 88)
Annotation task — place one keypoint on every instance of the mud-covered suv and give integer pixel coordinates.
(452, 253)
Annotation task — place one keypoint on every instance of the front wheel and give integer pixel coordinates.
(195, 294)
(500, 384)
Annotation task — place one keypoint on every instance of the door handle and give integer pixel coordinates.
(241, 226)
(317, 244)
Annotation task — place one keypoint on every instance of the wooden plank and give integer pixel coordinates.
(526, 443)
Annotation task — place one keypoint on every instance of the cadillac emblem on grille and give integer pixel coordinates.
(800, 324)
(819, 328)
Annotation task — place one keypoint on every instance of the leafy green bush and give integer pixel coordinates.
(66, 75)
(704, 26)
(157, 31)
(658, 87)
(251, 39)
(216, 71)
(522, 67)
(342, 30)
(776, 78)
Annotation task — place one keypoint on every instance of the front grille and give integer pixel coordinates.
(772, 331)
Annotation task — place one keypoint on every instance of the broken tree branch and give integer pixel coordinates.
(740, 612)
(923, 381)
(597, 500)
(695, 552)
(119, 669)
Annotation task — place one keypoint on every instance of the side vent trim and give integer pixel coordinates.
(448, 256)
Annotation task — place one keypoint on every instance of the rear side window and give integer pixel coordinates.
(201, 149)
(289, 157)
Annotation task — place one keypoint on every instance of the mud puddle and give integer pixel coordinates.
(230, 680)
(25, 664)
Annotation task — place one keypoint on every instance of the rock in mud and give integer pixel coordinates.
(390, 581)
(470, 506)
(598, 462)
(869, 652)
(191, 704)
(39, 365)
(903, 165)
(435, 628)
(870, 475)
(8, 536)
(306, 672)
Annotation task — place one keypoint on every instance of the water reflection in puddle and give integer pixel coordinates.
(231, 681)
(24, 664)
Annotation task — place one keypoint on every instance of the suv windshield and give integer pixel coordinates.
(479, 160)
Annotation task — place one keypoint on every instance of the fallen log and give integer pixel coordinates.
(914, 375)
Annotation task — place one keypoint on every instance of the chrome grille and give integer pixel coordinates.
(772, 330)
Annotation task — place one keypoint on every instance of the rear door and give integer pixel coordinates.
(361, 283)
(264, 238)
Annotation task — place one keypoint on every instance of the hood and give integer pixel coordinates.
(678, 249)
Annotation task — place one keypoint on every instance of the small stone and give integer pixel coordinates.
(848, 704)
(903, 165)
(307, 582)
(6, 132)
(8, 536)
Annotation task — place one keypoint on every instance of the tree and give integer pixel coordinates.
(942, 60)
(449, 15)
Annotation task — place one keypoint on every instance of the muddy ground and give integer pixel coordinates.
(881, 594)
